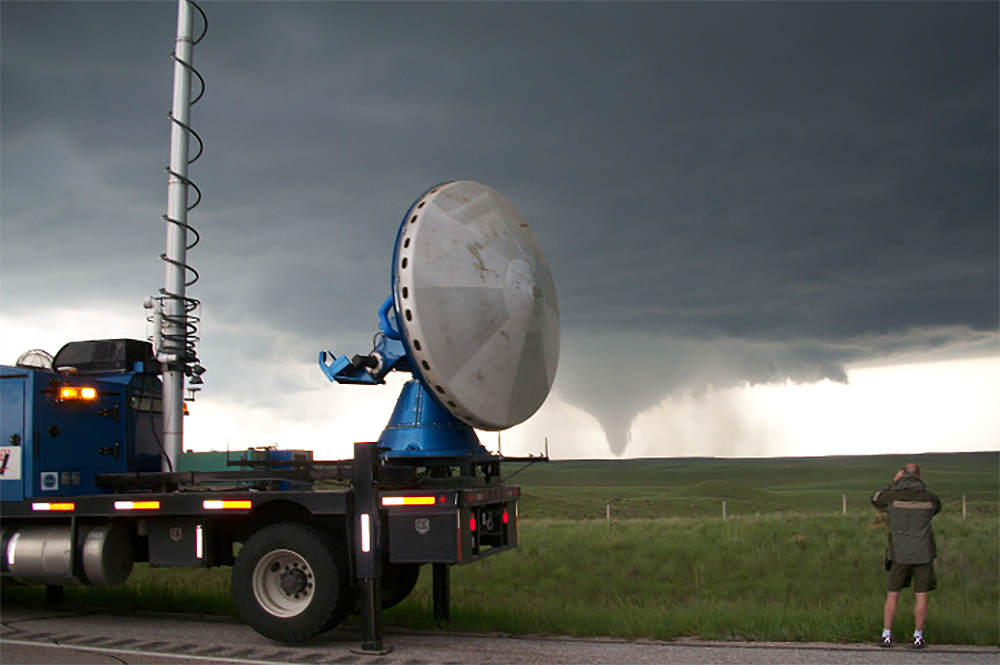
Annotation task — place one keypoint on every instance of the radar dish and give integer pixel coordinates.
(35, 359)
(477, 305)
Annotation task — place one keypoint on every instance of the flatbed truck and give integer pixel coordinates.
(84, 498)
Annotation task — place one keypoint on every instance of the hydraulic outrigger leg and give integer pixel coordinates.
(367, 534)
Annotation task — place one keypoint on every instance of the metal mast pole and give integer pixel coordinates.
(175, 329)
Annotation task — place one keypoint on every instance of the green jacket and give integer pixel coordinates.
(910, 506)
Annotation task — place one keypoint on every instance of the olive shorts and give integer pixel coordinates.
(920, 574)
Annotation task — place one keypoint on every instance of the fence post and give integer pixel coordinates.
(607, 511)
(963, 506)
(723, 509)
(845, 503)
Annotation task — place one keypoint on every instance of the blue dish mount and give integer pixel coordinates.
(420, 426)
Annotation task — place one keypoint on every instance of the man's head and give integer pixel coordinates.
(912, 469)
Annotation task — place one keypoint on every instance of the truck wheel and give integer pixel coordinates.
(398, 580)
(291, 582)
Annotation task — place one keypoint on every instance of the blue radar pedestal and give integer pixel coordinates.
(473, 316)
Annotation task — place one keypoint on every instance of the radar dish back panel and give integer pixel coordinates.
(476, 304)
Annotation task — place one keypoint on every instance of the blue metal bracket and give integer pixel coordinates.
(342, 371)
(383, 320)
(389, 354)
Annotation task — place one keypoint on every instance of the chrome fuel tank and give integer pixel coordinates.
(44, 555)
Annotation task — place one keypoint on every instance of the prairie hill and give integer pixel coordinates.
(653, 487)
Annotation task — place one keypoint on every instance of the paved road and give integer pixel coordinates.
(102, 637)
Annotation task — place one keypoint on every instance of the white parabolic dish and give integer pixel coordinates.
(477, 304)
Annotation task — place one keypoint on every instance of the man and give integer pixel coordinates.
(911, 545)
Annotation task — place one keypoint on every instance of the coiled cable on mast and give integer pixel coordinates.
(177, 332)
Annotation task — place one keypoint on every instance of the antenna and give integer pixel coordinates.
(174, 326)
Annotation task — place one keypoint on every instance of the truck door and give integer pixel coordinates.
(80, 438)
(12, 438)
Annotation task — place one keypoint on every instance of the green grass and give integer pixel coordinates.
(652, 488)
(772, 577)
(786, 565)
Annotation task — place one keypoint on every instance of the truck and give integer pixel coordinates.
(84, 499)
(94, 477)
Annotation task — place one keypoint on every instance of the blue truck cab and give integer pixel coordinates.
(95, 411)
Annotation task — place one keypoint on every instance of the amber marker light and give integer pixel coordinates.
(137, 505)
(408, 501)
(77, 393)
(53, 506)
(214, 504)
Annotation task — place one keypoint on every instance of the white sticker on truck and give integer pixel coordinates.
(10, 463)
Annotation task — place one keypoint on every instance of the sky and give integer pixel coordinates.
(774, 228)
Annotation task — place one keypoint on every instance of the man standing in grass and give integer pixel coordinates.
(911, 545)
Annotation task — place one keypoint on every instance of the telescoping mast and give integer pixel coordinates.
(175, 325)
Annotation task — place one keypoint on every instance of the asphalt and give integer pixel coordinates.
(33, 635)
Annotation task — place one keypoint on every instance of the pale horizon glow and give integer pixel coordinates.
(944, 406)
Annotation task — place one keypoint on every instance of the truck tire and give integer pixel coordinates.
(398, 580)
(291, 581)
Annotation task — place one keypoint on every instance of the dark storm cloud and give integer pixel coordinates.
(733, 165)
(770, 190)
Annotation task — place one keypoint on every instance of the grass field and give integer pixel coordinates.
(650, 488)
(772, 577)
(785, 565)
